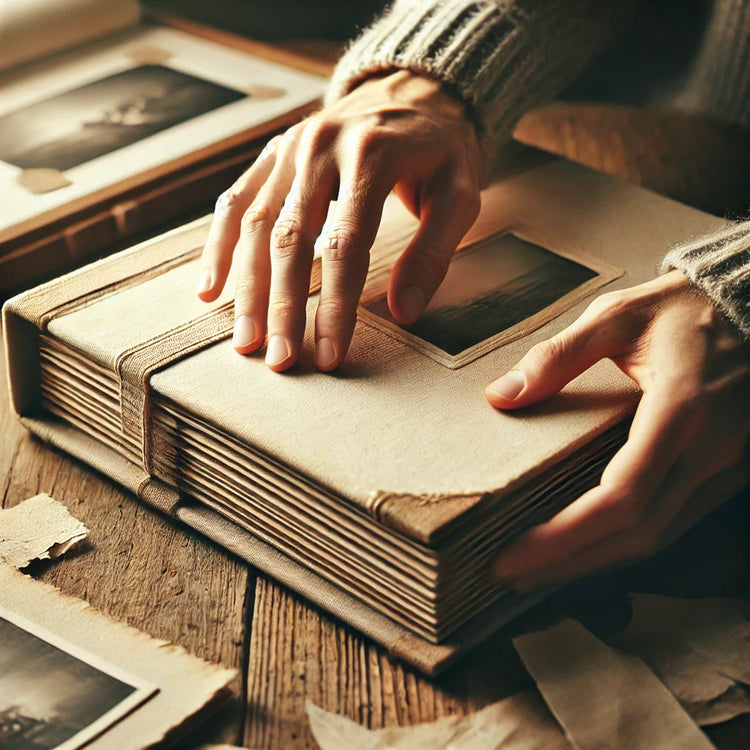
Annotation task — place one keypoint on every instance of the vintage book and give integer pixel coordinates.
(112, 124)
(72, 677)
(381, 492)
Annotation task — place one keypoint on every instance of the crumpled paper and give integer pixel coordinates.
(521, 722)
(603, 697)
(39, 528)
(699, 648)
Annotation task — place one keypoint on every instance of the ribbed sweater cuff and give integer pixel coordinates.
(500, 58)
(719, 265)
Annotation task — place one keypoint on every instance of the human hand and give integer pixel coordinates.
(399, 132)
(687, 450)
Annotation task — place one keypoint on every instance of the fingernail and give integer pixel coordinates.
(244, 332)
(325, 354)
(205, 282)
(509, 385)
(277, 351)
(411, 302)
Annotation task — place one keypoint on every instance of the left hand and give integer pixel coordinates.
(687, 450)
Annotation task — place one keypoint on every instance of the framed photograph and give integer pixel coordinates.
(53, 694)
(116, 113)
(495, 291)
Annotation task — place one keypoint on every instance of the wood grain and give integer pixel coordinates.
(136, 566)
(298, 652)
(169, 582)
(692, 159)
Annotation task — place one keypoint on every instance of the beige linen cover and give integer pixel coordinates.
(394, 435)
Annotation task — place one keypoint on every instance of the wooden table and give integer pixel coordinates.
(164, 579)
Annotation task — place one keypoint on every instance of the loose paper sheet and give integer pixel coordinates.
(699, 648)
(186, 684)
(39, 528)
(604, 698)
(520, 722)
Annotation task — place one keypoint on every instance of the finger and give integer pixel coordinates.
(447, 210)
(346, 248)
(254, 264)
(551, 364)
(680, 508)
(292, 241)
(224, 233)
(628, 486)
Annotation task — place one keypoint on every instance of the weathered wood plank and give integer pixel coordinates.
(137, 566)
(297, 652)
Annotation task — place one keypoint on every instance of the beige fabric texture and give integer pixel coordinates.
(392, 424)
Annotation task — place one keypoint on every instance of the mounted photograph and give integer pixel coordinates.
(56, 696)
(494, 291)
(89, 121)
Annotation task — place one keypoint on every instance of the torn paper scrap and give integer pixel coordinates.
(521, 722)
(604, 698)
(699, 648)
(39, 528)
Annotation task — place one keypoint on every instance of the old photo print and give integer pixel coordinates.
(490, 288)
(52, 694)
(89, 121)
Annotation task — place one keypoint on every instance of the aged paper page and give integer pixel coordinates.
(603, 698)
(185, 683)
(520, 722)
(39, 528)
(30, 29)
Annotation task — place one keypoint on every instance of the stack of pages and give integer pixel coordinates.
(384, 491)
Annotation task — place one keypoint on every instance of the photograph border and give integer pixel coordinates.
(143, 692)
(605, 274)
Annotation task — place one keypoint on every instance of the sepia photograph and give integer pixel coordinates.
(90, 121)
(489, 288)
(54, 696)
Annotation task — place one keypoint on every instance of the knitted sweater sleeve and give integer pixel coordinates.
(719, 265)
(504, 57)
(500, 57)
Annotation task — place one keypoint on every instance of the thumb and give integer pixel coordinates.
(551, 364)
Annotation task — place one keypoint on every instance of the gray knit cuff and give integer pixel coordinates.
(500, 58)
(719, 265)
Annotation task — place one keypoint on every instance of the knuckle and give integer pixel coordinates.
(608, 305)
(229, 198)
(548, 353)
(320, 133)
(340, 244)
(254, 216)
(245, 289)
(286, 237)
(272, 146)
(281, 308)
(335, 311)
(371, 142)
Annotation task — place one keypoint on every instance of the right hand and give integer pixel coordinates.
(400, 132)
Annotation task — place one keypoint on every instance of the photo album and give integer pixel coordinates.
(113, 123)
(384, 491)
